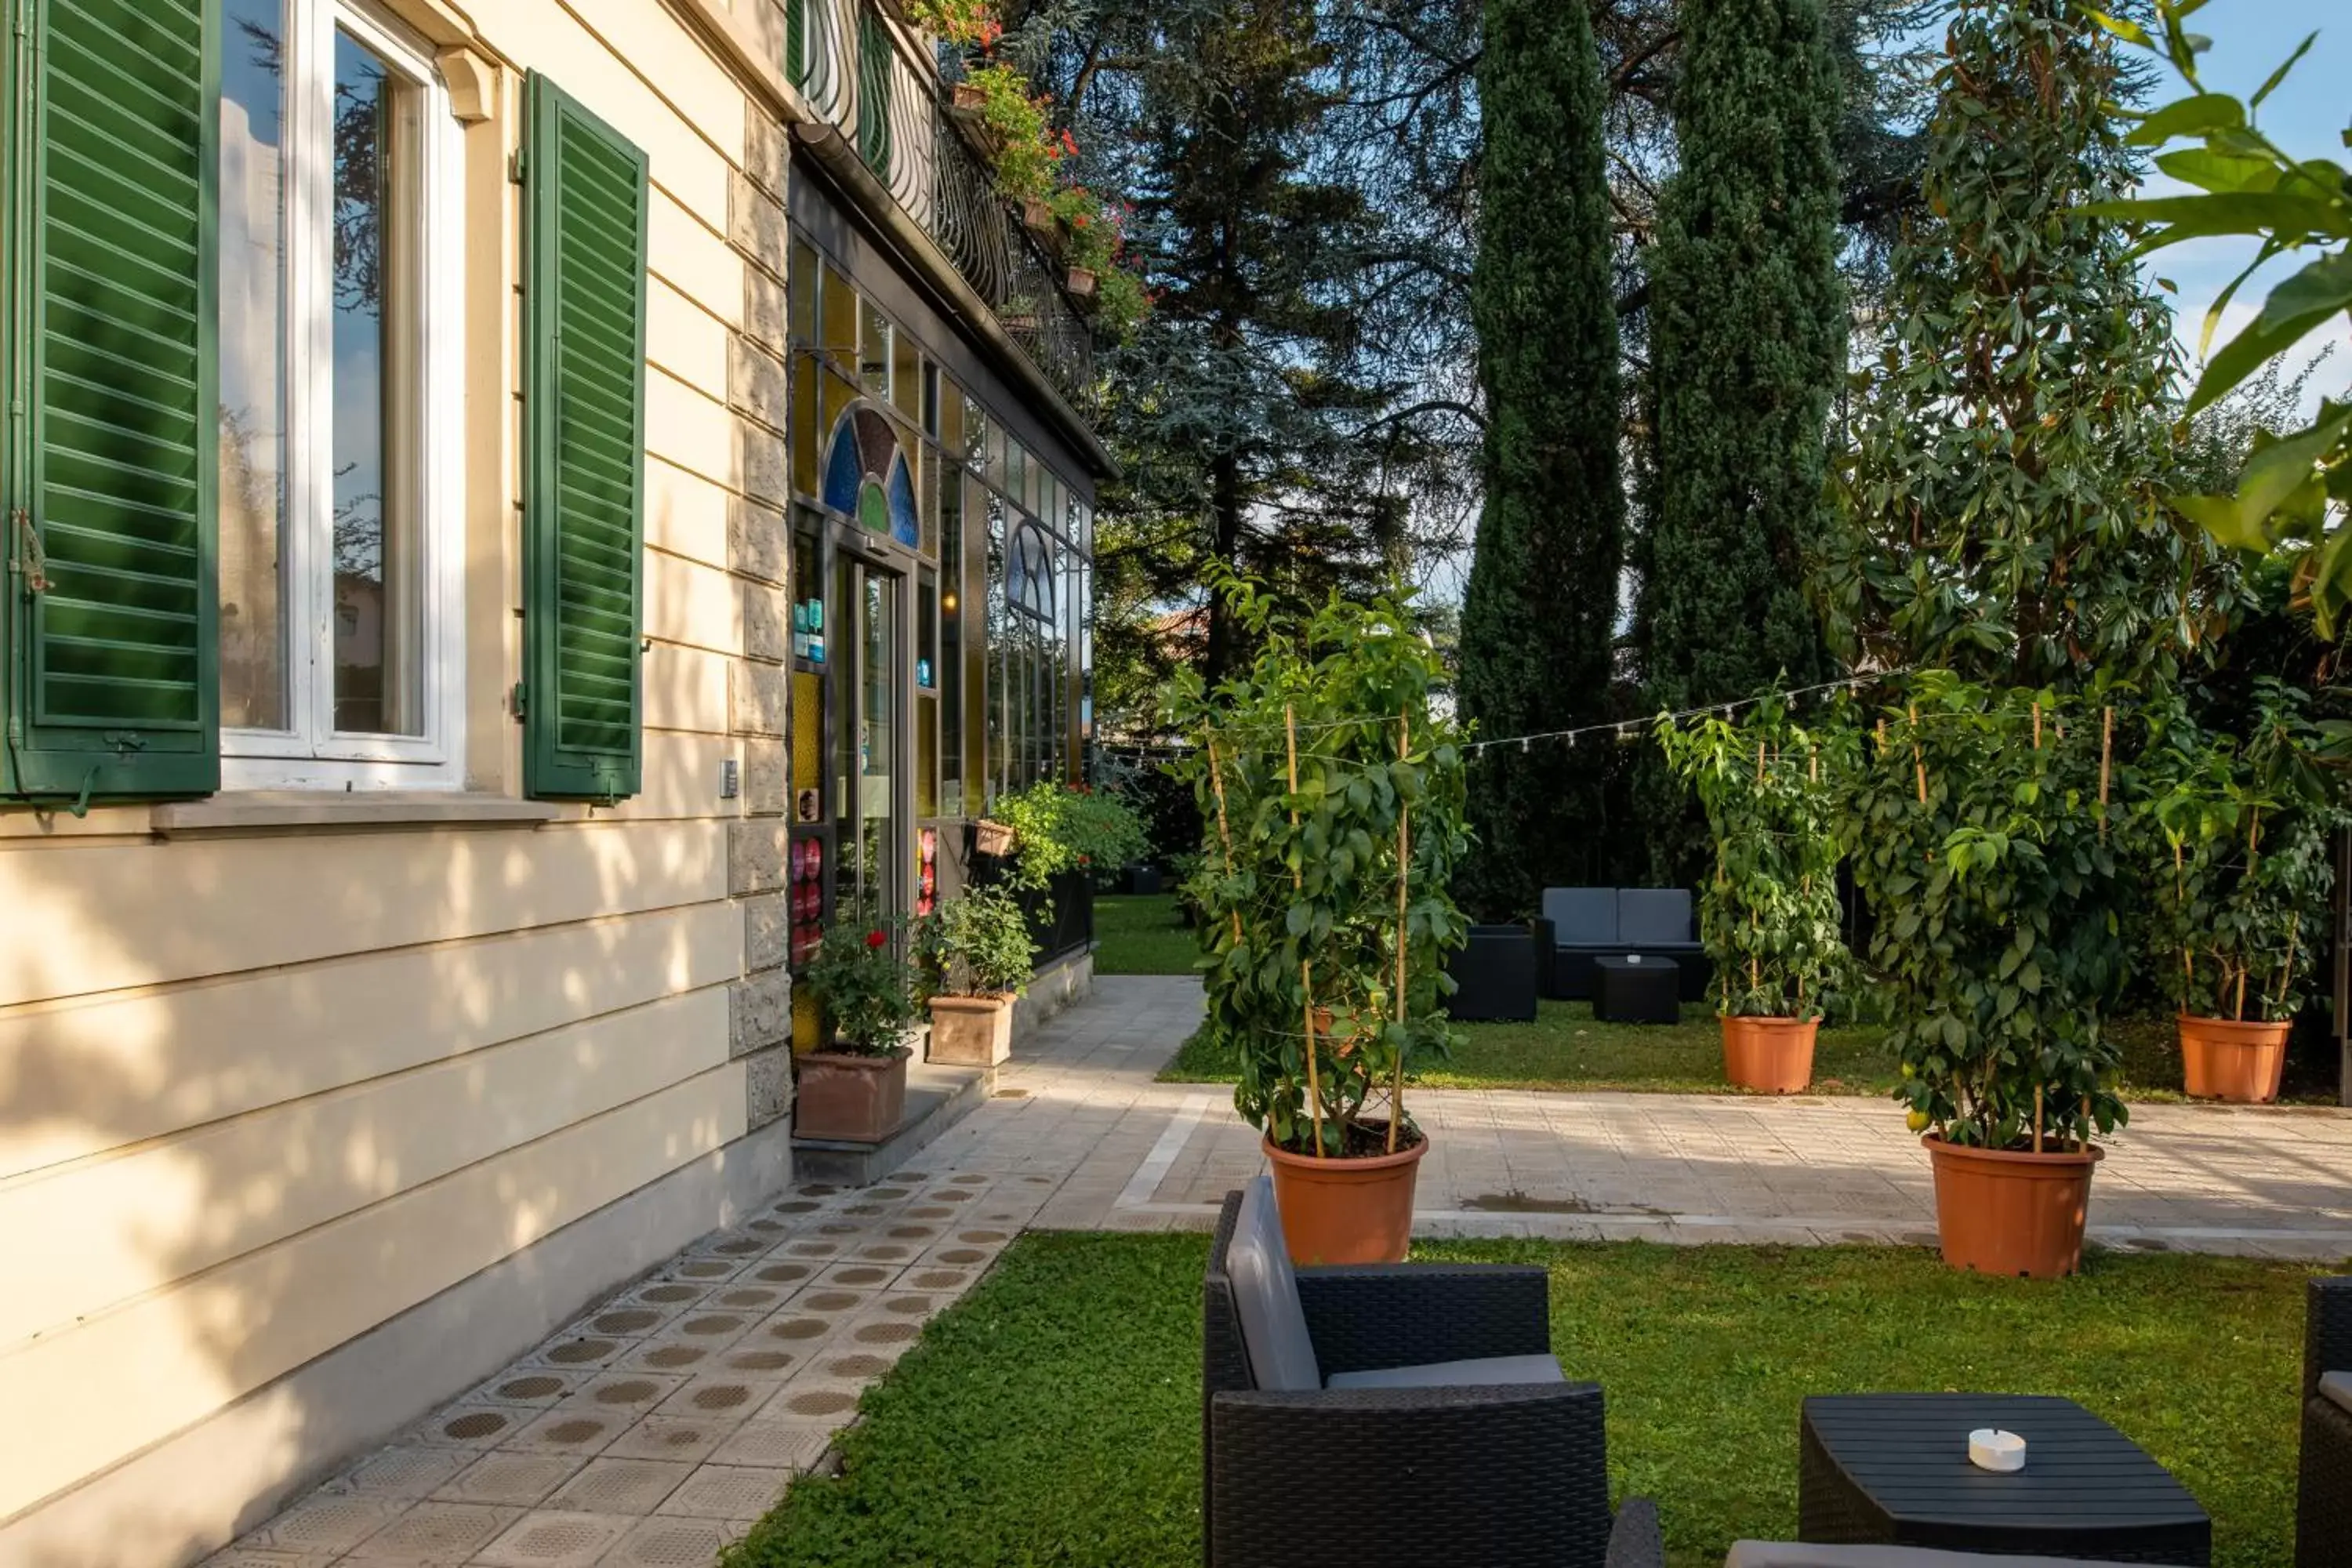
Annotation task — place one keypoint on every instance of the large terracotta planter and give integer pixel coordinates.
(2222, 1060)
(971, 1031)
(855, 1099)
(1346, 1211)
(2000, 1212)
(1770, 1056)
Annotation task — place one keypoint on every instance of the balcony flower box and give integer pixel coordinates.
(1081, 285)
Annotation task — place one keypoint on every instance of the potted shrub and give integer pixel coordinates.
(2239, 880)
(1980, 827)
(1333, 795)
(1056, 828)
(981, 949)
(856, 1088)
(1769, 913)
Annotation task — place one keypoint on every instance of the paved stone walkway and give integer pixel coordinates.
(658, 1427)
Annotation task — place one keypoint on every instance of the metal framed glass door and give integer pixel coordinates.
(869, 771)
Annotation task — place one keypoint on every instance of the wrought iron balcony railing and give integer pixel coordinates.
(849, 61)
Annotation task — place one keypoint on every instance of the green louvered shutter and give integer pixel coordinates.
(112, 685)
(584, 399)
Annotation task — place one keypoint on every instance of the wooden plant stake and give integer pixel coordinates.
(1404, 877)
(1225, 833)
(1305, 968)
(1917, 766)
(2037, 725)
(2286, 965)
(2106, 760)
(2037, 1117)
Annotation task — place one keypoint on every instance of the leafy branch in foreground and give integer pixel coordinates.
(2291, 496)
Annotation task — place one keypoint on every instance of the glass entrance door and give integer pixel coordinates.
(869, 774)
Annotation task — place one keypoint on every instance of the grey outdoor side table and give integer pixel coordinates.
(1893, 1469)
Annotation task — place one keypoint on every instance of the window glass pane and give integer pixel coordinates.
(975, 434)
(837, 315)
(998, 641)
(252, 368)
(800, 291)
(906, 377)
(874, 352)
(951, 406)
(930, 399)
(995, 459)
(804, 421)
(930, 489)
(378, 620)
(950, 665)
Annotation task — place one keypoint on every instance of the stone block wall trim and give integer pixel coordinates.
(768, 1087)
(766, 928)
(755, 856)
(757, 694)
(759, 1013)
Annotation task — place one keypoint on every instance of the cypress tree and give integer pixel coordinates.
(1747, 342)
(1540, 615)
(2004, 510)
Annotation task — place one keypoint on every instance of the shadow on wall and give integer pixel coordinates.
(260, 1093)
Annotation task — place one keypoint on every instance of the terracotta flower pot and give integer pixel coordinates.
(1770, 1056)
(991, 837)
(1346, 1211)
(971, 1031)
(1081, 283)
(857, 1098)
(2223, 1059)
(969, 99)
(2001, 1212)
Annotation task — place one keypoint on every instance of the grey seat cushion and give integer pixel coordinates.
(2337, 1386)
(1265, 1297)
(1653, 917)
(1488, 1371)
(1790, 1554)
(1582, 916)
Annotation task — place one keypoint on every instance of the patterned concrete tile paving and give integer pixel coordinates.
(656, 1427)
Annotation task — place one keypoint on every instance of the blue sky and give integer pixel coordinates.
(2306, 117)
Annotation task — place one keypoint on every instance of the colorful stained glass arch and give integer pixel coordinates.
(868, 477)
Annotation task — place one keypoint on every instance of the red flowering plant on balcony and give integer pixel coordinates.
(969, 23)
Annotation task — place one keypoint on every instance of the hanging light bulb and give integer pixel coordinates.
(1523, 745)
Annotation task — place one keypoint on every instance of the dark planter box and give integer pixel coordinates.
(1495, 976)
(1061, 917)
(1144, 880)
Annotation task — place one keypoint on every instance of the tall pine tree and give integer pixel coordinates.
(1540, 615)
(2004, 513)
(1748, 332)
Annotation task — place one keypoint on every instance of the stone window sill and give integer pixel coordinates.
(281, 811)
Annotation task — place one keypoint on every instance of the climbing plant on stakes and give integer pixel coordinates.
(1332, 795)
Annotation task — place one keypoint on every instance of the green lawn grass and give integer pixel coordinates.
(1053, 1415)
(1564, 1048)
(1138, 934)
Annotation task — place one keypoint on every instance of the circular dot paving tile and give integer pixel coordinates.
(938, 1280)
(628, 1320)
(474, 1424)
(798, 1207)
(670, 1293)
(716, 1324)
(741, 1246)
(571, 1352)
(980, 1235)
(535, 1388)
(800, 1328)
(671, 1356)
(781, 1272)
(912, 1232)
(820, 1190)
(857, 1366)
(707, 1268)
(886, 1252)
(886, 1195)
(909, 1306)
(760, 1361)
(747, 1298)
(885, 1333)
(829, 1300)
(578, 1429)
(928, 1214)
(968, 1180)
(629, 1391)
(768, 1226)
(721, 1396)
(962, 1254)
(951, 1196)
(814, 1248)
(855, 1275)
(836, 1228)
(821, 1402)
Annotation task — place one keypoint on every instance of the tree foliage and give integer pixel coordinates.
(1538, 620)
(2005, 498)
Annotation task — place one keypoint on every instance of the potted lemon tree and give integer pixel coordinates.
(1333, 794)
(1985, 848)
(2238, 885)
(1769, 914)
(979, 946)
(855, 1088)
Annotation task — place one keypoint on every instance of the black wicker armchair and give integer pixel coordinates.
(1790, 1554)
(2322, 1510)
(1405, 1413)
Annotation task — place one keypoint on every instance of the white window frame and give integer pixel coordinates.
(312, 754)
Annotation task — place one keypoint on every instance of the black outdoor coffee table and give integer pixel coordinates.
(1637, 989)
(1893, 1469)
